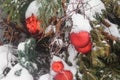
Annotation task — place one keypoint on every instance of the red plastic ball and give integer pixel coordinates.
(57, 66)
(80, 39)
(85, 49)
(64, 75)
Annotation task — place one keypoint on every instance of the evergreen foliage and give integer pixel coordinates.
(102, 63)
(28, 55)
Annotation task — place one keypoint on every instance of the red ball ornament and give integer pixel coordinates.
(33, 24)
(57, 66)
(64, 75)
(80, 39)
(85, 49)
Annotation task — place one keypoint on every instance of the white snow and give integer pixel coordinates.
(113, 29)
(25, 75)
(45, 77)
(21, 46)
(80, 23)
(72, 58)
(72, 54)
(5, 57)
(72, 6)
(92, 7)
(32, 9)
(87, 7)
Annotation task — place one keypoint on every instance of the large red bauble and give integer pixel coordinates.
(64, 75)
(57, 66)
(85, 49)
(80, 39)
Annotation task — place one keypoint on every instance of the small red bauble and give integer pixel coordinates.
(85, 49)
(80, 39)
(33, 24)
(64, 75)
(57, 66)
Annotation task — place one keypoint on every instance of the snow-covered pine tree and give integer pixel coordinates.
(61, 39)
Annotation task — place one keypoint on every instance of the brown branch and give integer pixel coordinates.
(58, 25)
(110, 37)
(106, 23)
